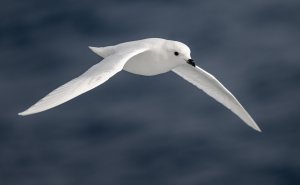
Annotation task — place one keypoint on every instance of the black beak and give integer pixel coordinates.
(190, 61)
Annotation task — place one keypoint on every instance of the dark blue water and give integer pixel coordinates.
(153, 131)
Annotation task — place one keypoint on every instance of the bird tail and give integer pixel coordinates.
(103, 51)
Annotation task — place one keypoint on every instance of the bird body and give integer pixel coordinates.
(146, 57)
(147, 63)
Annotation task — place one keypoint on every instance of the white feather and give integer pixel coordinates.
(92, 78)
(211, 86)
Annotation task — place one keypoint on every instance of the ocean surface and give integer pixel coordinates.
(161, 130)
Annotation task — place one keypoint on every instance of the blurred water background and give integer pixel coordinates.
(153, 131)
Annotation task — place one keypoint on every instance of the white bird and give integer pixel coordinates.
(147, 57)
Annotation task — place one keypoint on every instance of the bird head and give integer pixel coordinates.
(179, 52)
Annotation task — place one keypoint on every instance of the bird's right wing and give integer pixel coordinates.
(211, 86)
(92, 78)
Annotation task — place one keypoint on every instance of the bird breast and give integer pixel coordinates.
(149, 63)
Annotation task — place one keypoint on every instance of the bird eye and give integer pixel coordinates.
(176, 53)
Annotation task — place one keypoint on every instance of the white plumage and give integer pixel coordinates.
(143, 57)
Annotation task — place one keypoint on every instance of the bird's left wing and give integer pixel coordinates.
(92, 78)
(211, 86)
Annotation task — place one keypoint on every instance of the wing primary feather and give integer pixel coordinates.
(211, 86)
(92, 78)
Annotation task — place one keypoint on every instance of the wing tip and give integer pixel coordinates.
(257, 128)
(26, 112)
(253, 125)
(23, 113)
